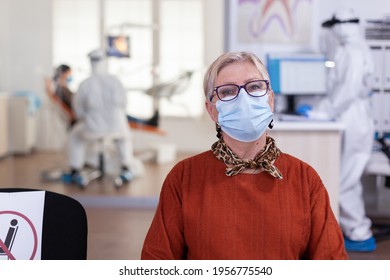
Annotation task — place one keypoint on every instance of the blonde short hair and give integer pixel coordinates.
(226, 59)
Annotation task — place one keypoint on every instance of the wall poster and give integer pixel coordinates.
(270, 21)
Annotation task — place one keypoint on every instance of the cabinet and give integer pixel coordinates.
(3, 125)
(380, 50)
(378, 166)
(303, 139)
(22, 120)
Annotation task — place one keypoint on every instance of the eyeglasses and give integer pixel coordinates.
(257, 88)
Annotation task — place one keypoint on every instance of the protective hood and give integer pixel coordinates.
(98, 59)
(344, 26)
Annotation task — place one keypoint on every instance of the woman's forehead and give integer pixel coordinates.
(239, 70)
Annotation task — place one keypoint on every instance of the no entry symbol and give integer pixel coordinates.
(18, 236)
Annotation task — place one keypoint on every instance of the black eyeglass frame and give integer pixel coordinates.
(239, 88)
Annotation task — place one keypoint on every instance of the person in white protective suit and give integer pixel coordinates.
(349, 90)
(100, 107)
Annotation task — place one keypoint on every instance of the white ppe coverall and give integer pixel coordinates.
(100, 107)
(348, 101)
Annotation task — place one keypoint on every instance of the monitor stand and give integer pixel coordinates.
(290, 105)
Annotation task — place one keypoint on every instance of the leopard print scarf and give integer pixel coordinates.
(235, 165)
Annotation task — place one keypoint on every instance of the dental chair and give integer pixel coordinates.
(65, 113)
(149, 125)
(101, 143)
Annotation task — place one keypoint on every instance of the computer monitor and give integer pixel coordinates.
(297, 74)
(118, 46)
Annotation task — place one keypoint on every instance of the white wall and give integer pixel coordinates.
(27, 43)
(25, 51)
(26, 57)
(4, 34)
(195, 135)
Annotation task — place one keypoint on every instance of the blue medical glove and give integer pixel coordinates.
(304, 110)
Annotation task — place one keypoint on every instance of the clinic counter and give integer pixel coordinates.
(307, 125)
(319, 144)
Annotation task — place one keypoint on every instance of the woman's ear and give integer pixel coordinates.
(271, 97)
(212, 110)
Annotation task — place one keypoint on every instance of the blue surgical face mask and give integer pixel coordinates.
(245, 118)
(69, 79)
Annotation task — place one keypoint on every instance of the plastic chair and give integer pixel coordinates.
(65, 227)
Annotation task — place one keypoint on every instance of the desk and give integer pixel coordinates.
(318, 144)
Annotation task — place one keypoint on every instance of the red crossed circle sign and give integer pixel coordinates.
(34, 232)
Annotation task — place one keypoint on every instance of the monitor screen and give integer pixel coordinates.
(118, 46)
(297, 74)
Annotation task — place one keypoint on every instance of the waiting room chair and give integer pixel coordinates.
(64, 229)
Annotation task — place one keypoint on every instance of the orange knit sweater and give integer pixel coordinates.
(203, 214)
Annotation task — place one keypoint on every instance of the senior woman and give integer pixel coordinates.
(243, 199)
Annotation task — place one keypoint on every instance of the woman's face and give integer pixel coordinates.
(238, 73)
(346, 32)
(65, 75)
